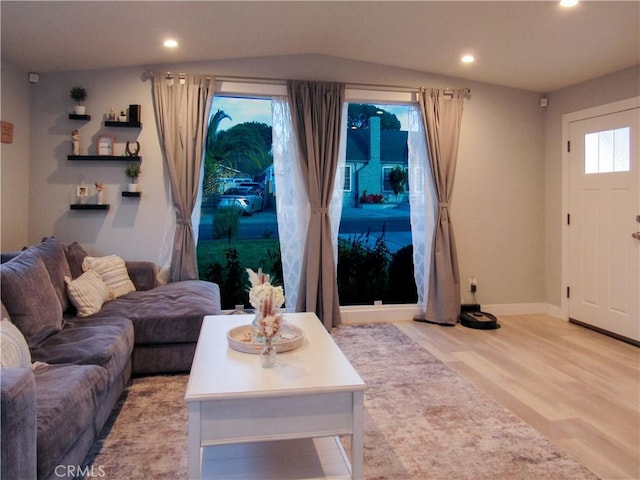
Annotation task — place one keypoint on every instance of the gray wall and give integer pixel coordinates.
(501, 204)
(15, 186)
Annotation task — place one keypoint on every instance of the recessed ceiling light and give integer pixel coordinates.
(171, 43)
(467, 59)
(568, 3)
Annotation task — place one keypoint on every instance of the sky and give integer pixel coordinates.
(259, 110)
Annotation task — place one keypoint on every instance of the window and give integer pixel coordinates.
(374, 246)
(347, 178)
(386, 181)
(607, 151)
(235, 233)
(238, 224)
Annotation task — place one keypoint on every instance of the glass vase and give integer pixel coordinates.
(268, 353)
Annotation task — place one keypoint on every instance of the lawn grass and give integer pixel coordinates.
(252, 253)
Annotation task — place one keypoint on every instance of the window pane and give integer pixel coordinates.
(591, 153)
(238, 227)
(605, 151)
(347, 178)
(374, 248)
(621, 150)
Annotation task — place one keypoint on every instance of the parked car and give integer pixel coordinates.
(246, 199)
(241, 204)
(258, 187)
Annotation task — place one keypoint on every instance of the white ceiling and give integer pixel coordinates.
(533, 45)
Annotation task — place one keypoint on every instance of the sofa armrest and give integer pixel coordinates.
(142, 274)
(18, 423)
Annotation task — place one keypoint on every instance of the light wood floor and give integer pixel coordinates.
(580, 389)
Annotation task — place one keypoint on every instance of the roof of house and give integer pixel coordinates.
(393, 146)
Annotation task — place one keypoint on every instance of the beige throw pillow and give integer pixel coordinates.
(14, 351)
(88, 293)
(114, 273)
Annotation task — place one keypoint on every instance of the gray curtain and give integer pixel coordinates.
(182, 107)
(442, 116)
(316, 109)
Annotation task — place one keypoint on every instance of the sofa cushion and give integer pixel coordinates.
(68, 397)
(52, 254)
(170, 313)
(29, 297)
(113, 271)
(107, 342)
(14, 351)
(6, 256)
(75, 256)
(87, 293)
(18, 421)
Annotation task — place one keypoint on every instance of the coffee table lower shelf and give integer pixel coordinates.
(307, 458)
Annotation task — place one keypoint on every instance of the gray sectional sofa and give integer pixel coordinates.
(53, 409)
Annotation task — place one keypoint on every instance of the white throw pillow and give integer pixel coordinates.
(14, 351)
(114, 273)
(88, 293)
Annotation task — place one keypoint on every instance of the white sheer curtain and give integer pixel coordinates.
(423, 203)
(292, 204)
(293, 209)
(335, 207)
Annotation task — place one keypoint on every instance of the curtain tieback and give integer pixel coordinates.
(183, 222)
(319, 210)
(443, 205)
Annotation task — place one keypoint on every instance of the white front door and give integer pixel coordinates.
(604, 209)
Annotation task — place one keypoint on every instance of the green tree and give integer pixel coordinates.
(246, 147)
(398, 179)
(213, 157)
(359, 113)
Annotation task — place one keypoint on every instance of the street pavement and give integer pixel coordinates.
(354, 221)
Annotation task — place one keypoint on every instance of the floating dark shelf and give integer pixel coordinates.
(124, 158)
(111, 123)
(75, 116)
(89, 206)
(131, 194)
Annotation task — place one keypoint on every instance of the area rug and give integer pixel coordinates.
(422, 421)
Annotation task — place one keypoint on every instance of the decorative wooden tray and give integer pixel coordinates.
(243, 339)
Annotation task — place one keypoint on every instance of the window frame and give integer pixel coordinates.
(351, 314)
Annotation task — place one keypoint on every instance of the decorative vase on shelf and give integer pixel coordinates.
(79, 109)
(268, 353)
(132, 187)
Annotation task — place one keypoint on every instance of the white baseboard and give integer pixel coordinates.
(358, 314)
(523, 309)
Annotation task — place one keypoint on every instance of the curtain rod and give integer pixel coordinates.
(280, 81)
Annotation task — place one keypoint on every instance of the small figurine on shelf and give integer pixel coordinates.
(112, 115)
(100, 190)
(75, 142)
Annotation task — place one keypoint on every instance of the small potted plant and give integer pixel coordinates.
(123, 116)
(133, 172)
(78, 95)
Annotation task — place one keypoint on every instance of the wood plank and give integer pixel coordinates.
(579, 388)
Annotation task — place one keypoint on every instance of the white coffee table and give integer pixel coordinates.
(281, 422)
